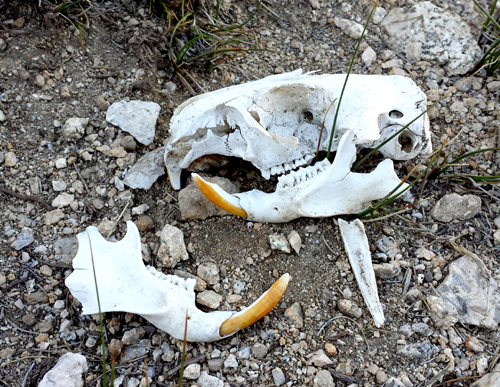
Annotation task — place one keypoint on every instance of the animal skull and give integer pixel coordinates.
(126, 285)
(275, 122)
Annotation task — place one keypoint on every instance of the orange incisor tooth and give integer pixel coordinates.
(214, 194)
(257, 310)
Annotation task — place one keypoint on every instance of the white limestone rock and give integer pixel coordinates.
(444, 37)
(135, 117)
(146, 171)
(67, 372)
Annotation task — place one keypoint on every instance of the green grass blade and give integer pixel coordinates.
(101, 323)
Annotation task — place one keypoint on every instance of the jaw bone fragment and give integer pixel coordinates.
(126, 285)
(358, 251)
(275, 122)
(320, 190)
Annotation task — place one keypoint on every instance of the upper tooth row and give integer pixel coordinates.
(303, 174)
(280, 169)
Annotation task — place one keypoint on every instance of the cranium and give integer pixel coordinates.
(275, 124)
(167, 301)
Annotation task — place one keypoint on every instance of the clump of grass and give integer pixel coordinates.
(490, 37)
(442, 164)
(202, 35)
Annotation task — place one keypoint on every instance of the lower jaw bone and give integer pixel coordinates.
(335, 191)
(126, 285)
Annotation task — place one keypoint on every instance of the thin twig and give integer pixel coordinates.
(196, 359)
(350, 319)
(117, 220)
(328, 246)
(27, 373)
(30, 198)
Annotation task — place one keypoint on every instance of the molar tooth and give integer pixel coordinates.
(277, 170)
(299, 162)
(288, 166)
(308, 158)
(285, 180)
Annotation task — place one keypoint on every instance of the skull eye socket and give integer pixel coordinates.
(406, 141)
(308, 116)
(395, 114)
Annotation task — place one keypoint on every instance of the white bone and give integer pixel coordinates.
(126, 285)
(358, 251)
(320, 190)
(275, 122)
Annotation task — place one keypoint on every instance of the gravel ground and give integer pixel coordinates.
(320, 333)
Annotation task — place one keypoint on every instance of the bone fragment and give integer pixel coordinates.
(358, 251)
(126, 285)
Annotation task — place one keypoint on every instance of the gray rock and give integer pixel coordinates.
(278, 376)
(388, 246)
(133, 336)
(172, 248)
(3, 117)
(147, 170)
(314, 4)
(135, 351)
(454, 206)
(369, 56)
(10, 159)
(319, 359)
(194, 205)
(387, 270)
(259, 350)
(63, 200)
(23, 239)
(280, 243)
(422, 329)
(496, 237)
(215, 364)
(295, 241)
(381, 377)
(67, 372)
(475, 295)
(442, 35)
(323, 379)
(209, 298)
(209, 272)
(57, 185)
(7, 353)
(206, 380)
(491, 379)
(493, 86)
(192, 371)
(35, 185)
(230, 364)
(135, 117)
(418, 350)
(349, 27)
(74, 128)
(294, 315)
(349, 308)
(442, 312)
